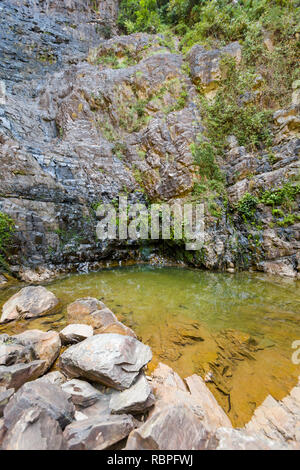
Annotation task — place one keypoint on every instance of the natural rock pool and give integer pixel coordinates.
(236, 328)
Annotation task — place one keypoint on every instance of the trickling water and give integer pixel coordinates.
(239, 328)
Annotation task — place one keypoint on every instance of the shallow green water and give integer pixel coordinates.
(229, 313)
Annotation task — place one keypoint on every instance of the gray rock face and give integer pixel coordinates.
(136, 399)
(29, 302)
(237, 439)
(205, 65)
(18, 374)
(5, 395)
(75, 333)
(98, 433)
(13, 352)
(34, 430)
(46, 396)
(46, 345)
(112, 359)
(172, 428)
(82, 393)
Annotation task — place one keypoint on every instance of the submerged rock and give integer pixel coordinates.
(174, 427)
(35, 429)
(82, 392)
(29, 302)
(98, 433)
(18, 374)
(111, 359)
(75, 333)
(46, 345)
(48, 397)
(136, 399)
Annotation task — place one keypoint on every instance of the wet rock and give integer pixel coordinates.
(84, 306)
(117, 328)
(18, 374)
(13, 351)
(98, 433)
(111, 359)
(35, 429)
(46, 345)
(102, 318)
(5, 395)
(237, 439)
(43, 395)
(29, 302)
(75, 333)
(82, 393)
(136, 399)
(214, 416)
(55, 378)
(173, 428)
(205, 65)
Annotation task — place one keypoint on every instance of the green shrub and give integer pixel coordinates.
(7, 228)
(227, 115)
(247, 206)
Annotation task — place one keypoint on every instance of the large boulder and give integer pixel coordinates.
(13, 352)
(118, 328)
(35, 429)
(16, 375)
(46, 396)
(82, 307)
(75, 333)
(174, 427)
(214, 415)
(111, 359)
(205, 64)
(82, 393)
(136, 399)
(29, 302)
(46, 345)
(169, 389)
(98, 433)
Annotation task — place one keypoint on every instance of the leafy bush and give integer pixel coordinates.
(247, 206)
(7, 228)
(204, 155)
(227, 115)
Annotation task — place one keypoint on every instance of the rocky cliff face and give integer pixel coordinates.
(85, 118)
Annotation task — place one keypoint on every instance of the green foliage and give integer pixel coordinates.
(227, 115)
(139, 15)
(279, 196)
(7, 228)
(247, 206)
(204, 154)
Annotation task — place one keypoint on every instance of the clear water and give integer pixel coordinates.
(238, 327)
